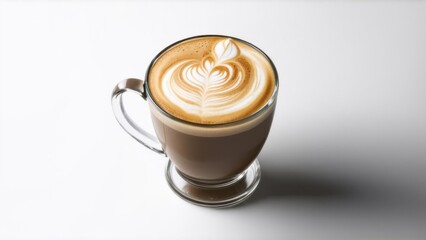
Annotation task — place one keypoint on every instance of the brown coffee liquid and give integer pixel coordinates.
(207, 158)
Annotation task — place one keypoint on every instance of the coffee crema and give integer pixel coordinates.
(211, 80)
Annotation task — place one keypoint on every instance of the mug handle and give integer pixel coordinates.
(145, 138)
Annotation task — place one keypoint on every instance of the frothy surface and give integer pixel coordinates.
(211, 80)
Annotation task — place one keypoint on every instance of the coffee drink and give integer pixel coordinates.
(211, 80)
(212, 104)
(212, 100)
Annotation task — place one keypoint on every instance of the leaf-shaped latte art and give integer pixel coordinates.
(219, 83)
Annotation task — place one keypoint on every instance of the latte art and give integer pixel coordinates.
(223, 80)
(205, 88)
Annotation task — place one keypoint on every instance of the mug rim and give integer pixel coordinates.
(261, 110)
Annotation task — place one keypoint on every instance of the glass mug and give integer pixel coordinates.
(212, 165)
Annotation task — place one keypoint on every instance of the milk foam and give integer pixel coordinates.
(227, 81)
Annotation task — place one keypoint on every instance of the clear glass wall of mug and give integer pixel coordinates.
(212, 100)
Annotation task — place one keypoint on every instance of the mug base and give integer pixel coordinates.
(221, 195)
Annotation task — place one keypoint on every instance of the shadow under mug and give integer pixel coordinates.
(212, 165)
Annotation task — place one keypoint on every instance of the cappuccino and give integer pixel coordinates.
(211, 80)
(212, 100)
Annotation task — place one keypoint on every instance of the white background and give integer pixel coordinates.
(346, 154)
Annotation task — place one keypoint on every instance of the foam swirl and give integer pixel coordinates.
(225, 81)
